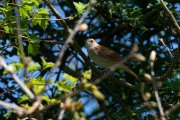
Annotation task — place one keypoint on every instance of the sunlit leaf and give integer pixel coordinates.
(16, 67)
(6, 29)
(33, 66)
(67, 83)
(87, 74)
(47, 64)
(45, 98)
(23, 98)
(38, 84)
(33, 48)
(23, 13)
(34, 39)
(80, 7)
(69, 77)
(41, 13)
(97, 94)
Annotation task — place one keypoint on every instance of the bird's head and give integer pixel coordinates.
(90, 43)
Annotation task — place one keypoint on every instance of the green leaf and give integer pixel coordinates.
(23, 13)
(38, 84)
(87, 74)
(54, 101)
(3, 9)
(47, 64)
(44, 61)
(34, 39)
(37, 2)
(48, 100)
(69, 77)
(97, 94)
(63, 86)
(33, 66)
(7, 115)
(7, 29)
(45, 98)
(143, 28)
(41, 13)
(33, 48)
(32, 2)
(80, 7)
(67, 83)
(23, 98)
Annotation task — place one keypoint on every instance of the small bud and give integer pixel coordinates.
(148, 77)
(83, 27)
(152, 56)
(71, 42)
(70, 31)
(27, 61)
(71, 106)
(135, 48)
(97, 94)
(10, 69)
(93, 1)
(159, 84)
(82, 118)
(153, 104)
(138, 57)
(147, 96)
(161, 40)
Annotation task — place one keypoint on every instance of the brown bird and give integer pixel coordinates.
(104, 57)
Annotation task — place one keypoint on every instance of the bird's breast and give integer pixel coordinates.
(100, 60)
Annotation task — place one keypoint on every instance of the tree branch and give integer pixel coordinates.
(22, 55)
(173, 109)
(171, 16)
(171, 67)
(152, 59)
(15, 77)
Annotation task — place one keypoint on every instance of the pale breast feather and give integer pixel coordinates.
(107, 53)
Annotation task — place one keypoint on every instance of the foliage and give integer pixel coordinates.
(71, 87)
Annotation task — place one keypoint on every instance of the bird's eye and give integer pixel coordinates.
(91, 41)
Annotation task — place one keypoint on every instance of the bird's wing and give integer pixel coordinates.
(107, 53)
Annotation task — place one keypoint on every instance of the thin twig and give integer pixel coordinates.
(22, 112)
(152, 59)
(22, 55)
(35, 106)
(61, 114)
(146, 99)
(30, 19)
(7, 91)
(15, 77)
(19, 110)
(173, 109)
(162, 41)
(53, 10)
(171, 16)
(171, 67)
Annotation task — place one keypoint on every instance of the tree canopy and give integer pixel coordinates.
(46, 73)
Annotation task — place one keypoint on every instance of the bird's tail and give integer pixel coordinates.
(125, 68)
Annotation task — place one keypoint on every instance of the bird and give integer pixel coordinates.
(105, 57)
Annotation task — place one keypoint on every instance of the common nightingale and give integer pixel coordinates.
(104, 57)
